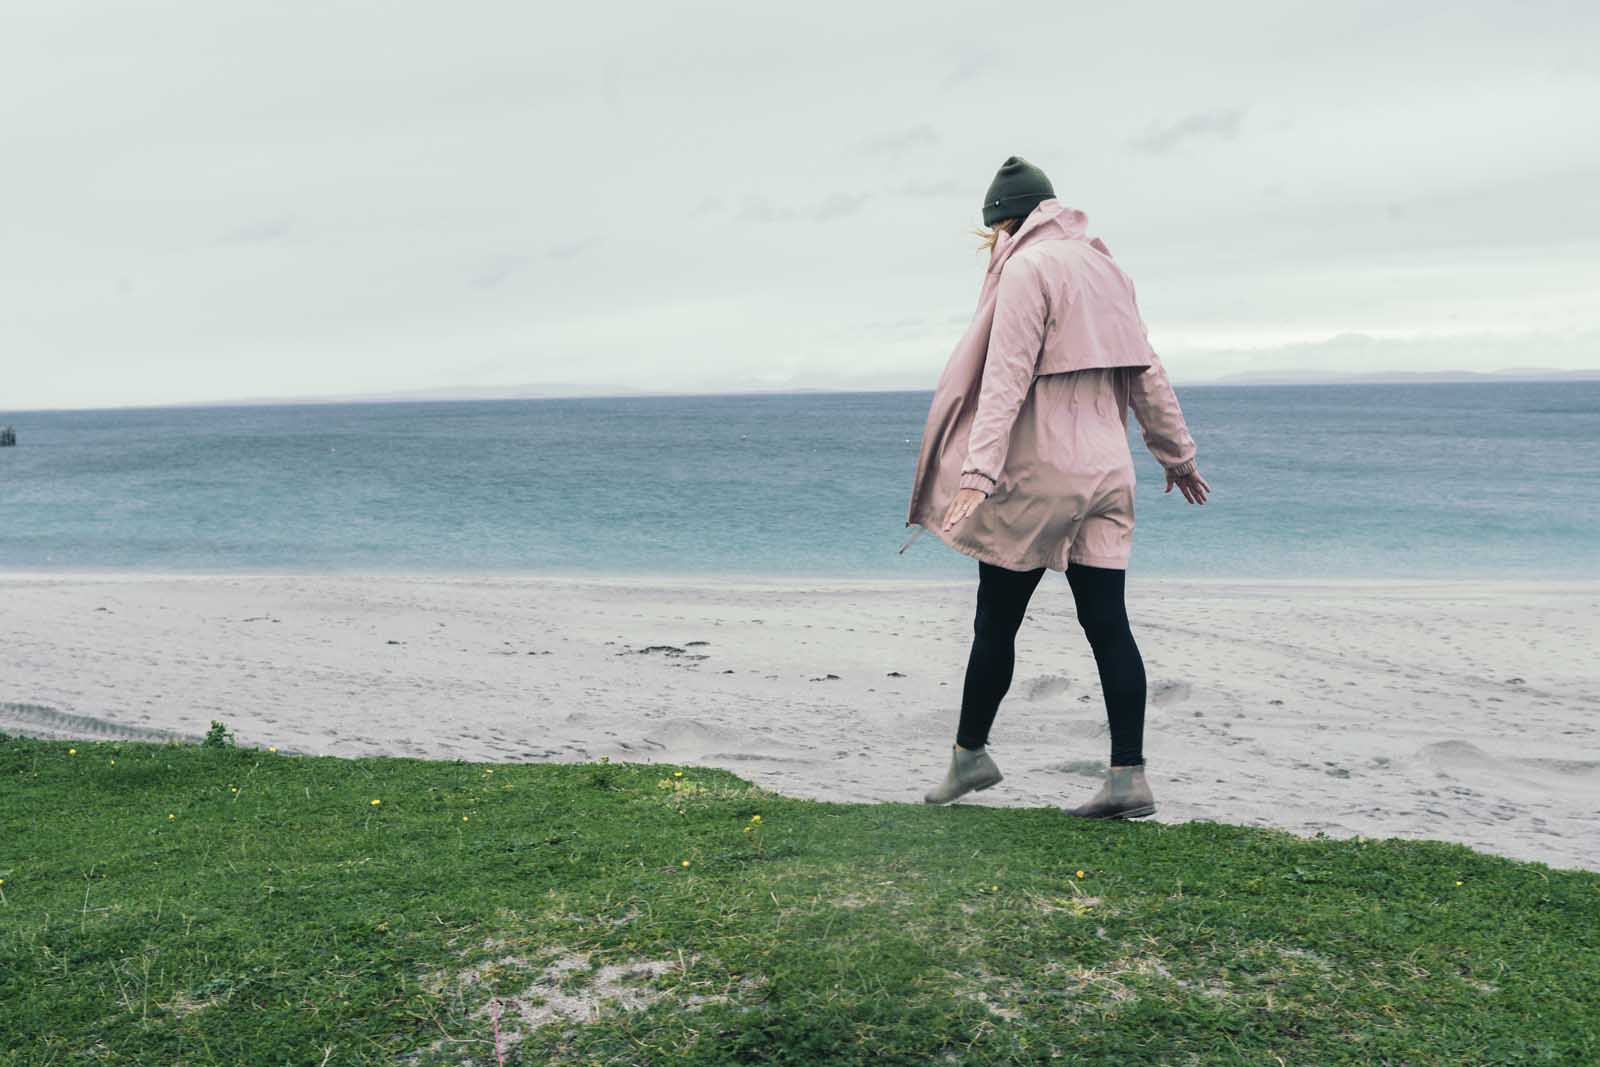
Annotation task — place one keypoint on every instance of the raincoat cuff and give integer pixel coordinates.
(977, 480)
(1179, 470)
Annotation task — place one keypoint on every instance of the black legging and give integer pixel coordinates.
(1098, 593)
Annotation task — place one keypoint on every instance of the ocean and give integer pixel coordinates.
(1373, 481)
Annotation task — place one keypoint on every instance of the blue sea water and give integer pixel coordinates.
(1422, 480)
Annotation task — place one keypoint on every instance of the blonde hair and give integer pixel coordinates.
(988, 235)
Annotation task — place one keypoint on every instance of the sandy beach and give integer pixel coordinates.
(1462, 711)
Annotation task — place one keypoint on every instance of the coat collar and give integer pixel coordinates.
(1051, 220)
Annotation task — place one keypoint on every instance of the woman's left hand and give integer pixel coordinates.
(1193, 487)
(962, 505)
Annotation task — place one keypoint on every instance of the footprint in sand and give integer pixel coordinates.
(751, 757)
(1087, 767)
(1461, 759)
(1046, 686)
(1456, 754)
(684, 734)
(1577, 768)
(1169, 692)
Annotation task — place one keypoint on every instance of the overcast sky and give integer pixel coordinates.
(228, 199)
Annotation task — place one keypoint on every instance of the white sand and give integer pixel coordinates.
(1464, 711)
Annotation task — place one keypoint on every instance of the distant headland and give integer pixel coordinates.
(1324, 377)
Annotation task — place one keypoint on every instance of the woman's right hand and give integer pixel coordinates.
(965, 502)
(1193, 487)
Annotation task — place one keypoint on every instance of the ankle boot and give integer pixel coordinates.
(1123, 795)
(969, 771)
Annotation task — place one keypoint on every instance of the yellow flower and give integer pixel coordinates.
(113, 763)
(747, 829)
(1458, 883)
(233, 789)
(994, 889)
(677, 774)
(170, 817)
(72, 752)
(375, 803)
(1080, 874)
(755, 818)
(685, 863)
(488, 770)
(463, 818)
(272, 748)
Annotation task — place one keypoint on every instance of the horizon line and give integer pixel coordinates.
(484, 394)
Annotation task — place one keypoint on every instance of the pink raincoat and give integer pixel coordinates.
(1032, 406)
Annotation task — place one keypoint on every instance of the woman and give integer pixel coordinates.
(1025, 465)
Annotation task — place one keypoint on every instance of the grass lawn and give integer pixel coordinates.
(187, 904)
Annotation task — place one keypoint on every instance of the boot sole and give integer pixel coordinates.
(1131, 813)
(1136, 813)
(958, 796)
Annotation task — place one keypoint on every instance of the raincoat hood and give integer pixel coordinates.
(1051, 220)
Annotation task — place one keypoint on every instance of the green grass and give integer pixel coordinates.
(153, 915)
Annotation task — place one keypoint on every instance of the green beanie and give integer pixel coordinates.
(1017, 189)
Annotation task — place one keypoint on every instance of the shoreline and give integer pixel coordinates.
(1448, 709)
(661, 579)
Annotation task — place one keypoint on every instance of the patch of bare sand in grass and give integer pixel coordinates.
(1072, 990)
(183, 1004)
(998, 994)
(1407, 965)
(1108, 979)
(1075, 904)
(870, 890)
(1307, 956)
(571, 988)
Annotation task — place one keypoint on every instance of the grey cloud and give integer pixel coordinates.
(760, 209)
(968, 66)
(946, 188)
(496, 270)
(836, 206)
(1223, 125)
(254, 233)
(894, 144)
(568, 249)
(839, 206)
(903, 325)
